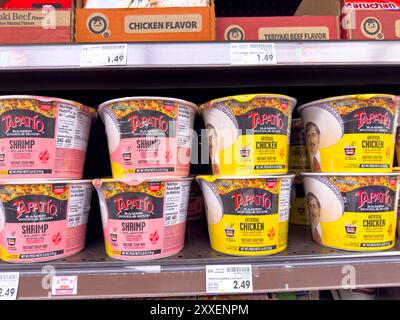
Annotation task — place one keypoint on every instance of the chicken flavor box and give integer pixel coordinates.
(371, 20)
(312, 21)
(145, 24)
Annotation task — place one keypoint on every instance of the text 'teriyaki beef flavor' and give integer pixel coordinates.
(247, 216)
(249, 134)
(149, 136)
(143, 219)
(44, 220)
(352, 133)
(298, 162)
(355, 212)
(42, 137)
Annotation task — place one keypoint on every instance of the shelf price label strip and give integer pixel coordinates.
(9, 282)
(103, 55)
(253, 54)
(229, 279)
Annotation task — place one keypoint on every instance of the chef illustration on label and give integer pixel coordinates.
(314, 210)
(313, 140)
(222, 133)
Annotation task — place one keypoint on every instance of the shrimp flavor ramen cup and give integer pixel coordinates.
(352, 133)
(247, 216)
(42, 137)
(249, 134)
(355, 212)
(44, 220)
(149, 136)
(143, 219)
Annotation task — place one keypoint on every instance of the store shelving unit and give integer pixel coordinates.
(201, 66)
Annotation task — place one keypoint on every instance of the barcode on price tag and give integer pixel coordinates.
(253, 53)
(104, 55)
(9, 282)
(229, 279)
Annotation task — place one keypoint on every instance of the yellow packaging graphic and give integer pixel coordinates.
(353, 212)
(249, 134)
(247, 216)
(351, 133)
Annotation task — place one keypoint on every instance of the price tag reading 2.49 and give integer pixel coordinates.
(9, 285)
(229, 279)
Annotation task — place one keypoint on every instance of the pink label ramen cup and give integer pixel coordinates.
(42, 137)
(43, 221)
(143, 219)
(149, 136)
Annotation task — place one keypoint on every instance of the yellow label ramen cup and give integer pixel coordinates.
(355, 212)
(249, 134)
(352, 133)
(247, 216)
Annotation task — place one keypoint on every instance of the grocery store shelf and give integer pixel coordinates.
(212, 54)
(199, 65)
(303, 266)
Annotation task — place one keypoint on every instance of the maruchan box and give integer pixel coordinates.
(312, 22)
(29, 4)
(46, 25)
(371, 20)
(145, 24)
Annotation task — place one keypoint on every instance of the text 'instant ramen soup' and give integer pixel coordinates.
(355, 212)
(352, 133)
(149, 136)
(143, 219)
(247, 216)
(44, 220)
(42, 137)
(249, 134)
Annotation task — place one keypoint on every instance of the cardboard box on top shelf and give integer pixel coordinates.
(313, 20)
(147, 24)
(36, 4)
(35, 24)
(371, 19)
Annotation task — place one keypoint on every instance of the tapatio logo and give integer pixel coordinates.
(142, 204)
(365, 197)
(241, 200)
(47, 207)
(265, 119)
(13, 122)
(381, 118)
(148, 122)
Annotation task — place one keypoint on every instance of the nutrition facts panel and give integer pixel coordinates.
(185, 118)
(79, 205)
(175, 207)
(284, 205)
(72, 127)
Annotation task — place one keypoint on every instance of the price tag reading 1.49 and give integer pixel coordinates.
(253, 53)
(104, 55)
(229, 279)
(9, 285)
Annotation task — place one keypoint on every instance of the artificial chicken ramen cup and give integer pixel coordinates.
(352, 133)
(355, 212)
(43, 137)
(247, 216)
(143, 219)
(43, 220)
(249, 134)
(149, 136)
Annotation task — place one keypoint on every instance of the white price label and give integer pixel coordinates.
(253, 53)
(9, 282)
(104, 55)
(64, 286)
(229, 279)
